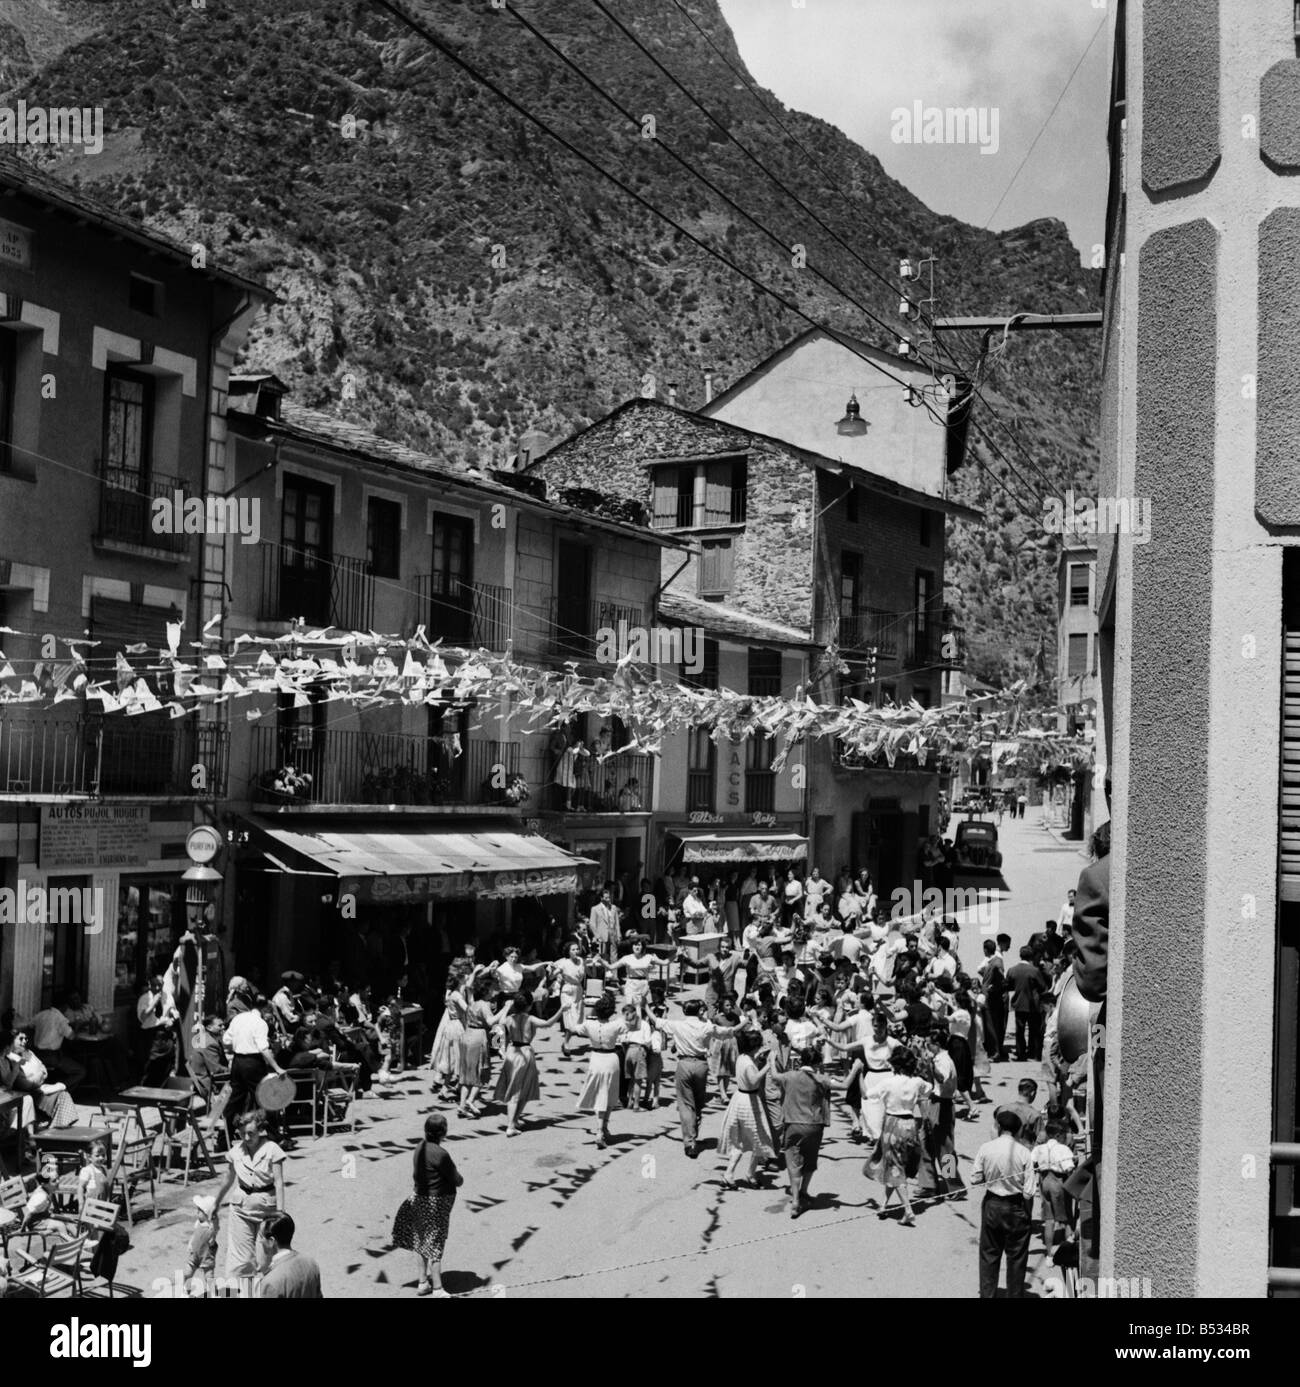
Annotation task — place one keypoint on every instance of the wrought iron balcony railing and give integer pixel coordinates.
(126, 509)
(576, 625)
(352, 766)
(322, 589)
(478, 615)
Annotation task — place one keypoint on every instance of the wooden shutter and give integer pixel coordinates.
(665, 514)
(717, 567)
(1289, 844)
(717, 493)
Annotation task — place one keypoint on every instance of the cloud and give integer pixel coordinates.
(854, 62)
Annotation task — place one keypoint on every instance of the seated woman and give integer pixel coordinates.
(54, 1105)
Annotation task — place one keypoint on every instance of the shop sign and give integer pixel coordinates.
(763, 820)
(492, 886)
(78, 836)
(702, 816)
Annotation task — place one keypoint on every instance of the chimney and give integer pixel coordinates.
(708, 386)
(672, 392)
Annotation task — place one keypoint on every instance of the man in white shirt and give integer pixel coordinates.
(693, 908)
(1006, 1169)
(49, 1029)
(943, 964)
(1066, 917)
(248, 1041)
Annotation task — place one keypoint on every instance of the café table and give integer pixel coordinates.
(73, 1140)
(173, 1103)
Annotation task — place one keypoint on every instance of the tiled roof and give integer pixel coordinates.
(718, 620)
(35, 182)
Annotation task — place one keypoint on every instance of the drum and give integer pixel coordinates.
(1073, 1014)
(275, 1092)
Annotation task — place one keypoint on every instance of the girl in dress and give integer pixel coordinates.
(600, 1093)
(637, 968)
(92, 1178)
(475, 1059)
(746, 1128)
(897, 1156)
(424, 1219)
(722, 1050)
(445, 1060)
(959, 1048)
(517, 1084)
(572, 972)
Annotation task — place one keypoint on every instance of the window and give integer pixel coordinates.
(764, 674)
(850, 584)
(65, 953)
(701, 495)
(128, 426)
(1080, 584)
(926, 519)
(922, 695)
(1078, 655)
(851, 512)
(7, 376)
(146, 296)
(717, 568)
(146, 937)
(760, 778)
(707, 677)
(701, 771)
(383, 538)
(924, 597)
(888, 694)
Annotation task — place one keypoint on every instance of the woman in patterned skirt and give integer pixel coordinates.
(572, 972)
(897, 1156)
(517, 1084)
(600, 1093)
(424, 1219)
(746, 1128)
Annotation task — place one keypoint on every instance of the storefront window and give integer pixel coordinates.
(146, 938)
(63, 962)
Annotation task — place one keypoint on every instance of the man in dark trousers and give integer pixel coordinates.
(993, 982)
(1006, 1170)
(1027, 987)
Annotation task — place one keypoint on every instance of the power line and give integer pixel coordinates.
(685, 163)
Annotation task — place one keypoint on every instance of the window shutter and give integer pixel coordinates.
(717, 493)
(665, 516)
(1289, 847)
(717, 566)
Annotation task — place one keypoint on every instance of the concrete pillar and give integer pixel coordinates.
(1191, 626)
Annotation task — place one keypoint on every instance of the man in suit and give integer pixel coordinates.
(1027, 987)
(290, 1275)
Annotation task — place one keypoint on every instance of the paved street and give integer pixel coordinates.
(546, 1214)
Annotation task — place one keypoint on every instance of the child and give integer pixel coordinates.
(722, 1053)
(654, 1060)
(203, 1241)
(388, 1025)
(640, 1058)
(38, 1213)
(1053, 1161)
(92, 1178)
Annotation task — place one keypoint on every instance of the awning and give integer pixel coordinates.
(413, 865)
(746, 847)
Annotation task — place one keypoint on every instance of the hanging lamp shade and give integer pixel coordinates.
(853, 425)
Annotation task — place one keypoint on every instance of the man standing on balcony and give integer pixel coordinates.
(605, 926)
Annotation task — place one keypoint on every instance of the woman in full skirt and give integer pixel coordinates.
(600, 1092)
(746, 1128)
(518, 1083)
(424, 1217)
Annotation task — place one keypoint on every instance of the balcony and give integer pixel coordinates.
(760, 792)
(620, 784)
(935, 646)
(575, 625)
(322, 590)
(864, 629)
(126, 509)
(90, 757)
(477, 615)
(905, 762)
(351, 766)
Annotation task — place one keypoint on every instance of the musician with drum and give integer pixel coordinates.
(248, 1040)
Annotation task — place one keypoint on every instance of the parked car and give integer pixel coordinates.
(975, 847)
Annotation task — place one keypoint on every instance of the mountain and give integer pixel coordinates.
(477, 281)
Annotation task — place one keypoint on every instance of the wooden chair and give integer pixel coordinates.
(300, 1114)
(59, 1269)
(101, 1216)
(13, 1199)
(336, 1093)
(133, 1168)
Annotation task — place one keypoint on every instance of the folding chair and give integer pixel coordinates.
(58, 1270)
(299, 1114)
(102, 1216)
(133, 1168)
(336, 1093)
(13, 1198)
(178, 1129)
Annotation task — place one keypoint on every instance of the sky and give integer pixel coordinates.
(857, 63)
